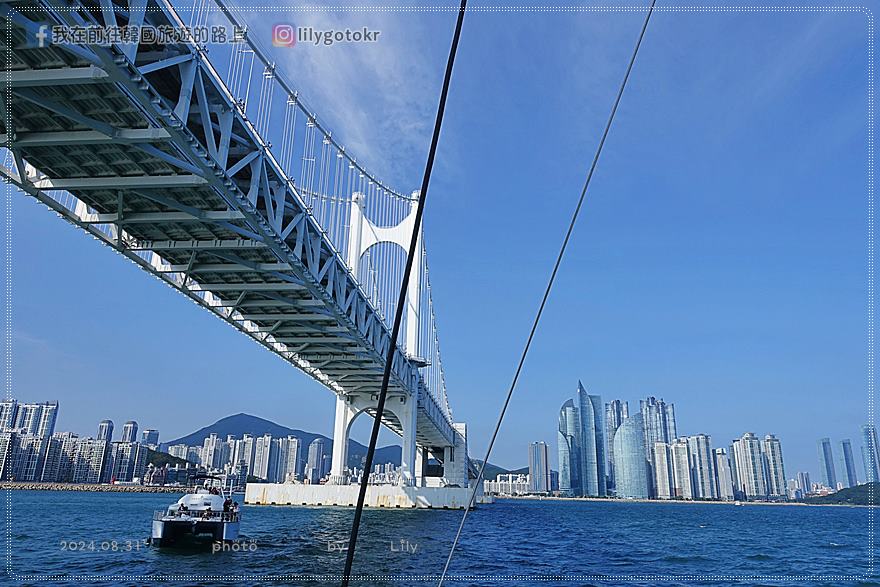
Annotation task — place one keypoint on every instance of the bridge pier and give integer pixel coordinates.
(402, 409)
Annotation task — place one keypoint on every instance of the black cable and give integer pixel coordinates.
(549, 287)
(401, 301)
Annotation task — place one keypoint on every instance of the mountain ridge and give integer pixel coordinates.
(241, 423)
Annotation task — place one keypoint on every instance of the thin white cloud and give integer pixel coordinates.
(378, 98)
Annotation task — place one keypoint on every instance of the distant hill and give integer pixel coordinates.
(240, 424)
(867, 494)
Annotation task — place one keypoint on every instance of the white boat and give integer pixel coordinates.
(206, 513)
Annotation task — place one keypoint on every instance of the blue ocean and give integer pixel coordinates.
(79, 538)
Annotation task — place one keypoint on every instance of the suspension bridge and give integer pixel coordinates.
(208, 170)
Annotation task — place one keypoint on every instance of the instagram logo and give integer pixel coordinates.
(283, 35)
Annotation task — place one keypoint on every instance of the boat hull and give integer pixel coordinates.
(172, 532)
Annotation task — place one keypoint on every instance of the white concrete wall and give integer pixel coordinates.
(388, 496)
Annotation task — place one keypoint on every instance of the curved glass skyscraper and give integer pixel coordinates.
(630, 461)
(568, 444)
(592, 416)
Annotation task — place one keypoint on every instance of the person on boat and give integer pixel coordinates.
(227, 505)
(207, 513)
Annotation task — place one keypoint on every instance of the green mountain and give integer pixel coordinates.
(867, 494)
(240, 424)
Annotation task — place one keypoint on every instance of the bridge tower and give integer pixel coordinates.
(362, 235)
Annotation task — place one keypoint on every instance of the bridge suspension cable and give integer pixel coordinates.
(547, 291)
(398, 313)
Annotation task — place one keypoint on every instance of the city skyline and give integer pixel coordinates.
(660, 293)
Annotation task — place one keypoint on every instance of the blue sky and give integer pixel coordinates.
(720, 261)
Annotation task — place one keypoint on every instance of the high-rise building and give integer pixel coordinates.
(128, 461)
(702, 461)
(616, 412)
(682, 483)
(826, 464)
(8, 408)
(592, 419)
(316, 461)
(105, 430)
(28, 455)
(870, 457)
(539, 468)
(663, 484)
(288, 460)
(129, 431)
(7, 452)
(803, 482)
(658, 420)
(568, 447)
(36, 419)
(771, 450)
(749, 466)
(60, 458)
(848, 463)
(262, 456)
(150, 437)
(630, 461)
(91, 460)
(723, 478)
(212, 452)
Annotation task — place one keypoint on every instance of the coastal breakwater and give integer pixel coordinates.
(36, 486)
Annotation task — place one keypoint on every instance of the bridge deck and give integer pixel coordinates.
(163, 166)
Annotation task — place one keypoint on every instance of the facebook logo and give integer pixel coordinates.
(38, 36)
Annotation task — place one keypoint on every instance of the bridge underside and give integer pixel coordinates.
(145, 149)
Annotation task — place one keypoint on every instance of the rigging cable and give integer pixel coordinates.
(547, 290)
(401, 301)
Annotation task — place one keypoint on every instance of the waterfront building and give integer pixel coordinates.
(212, 452)
(826, 463)
(848, 463)
(683, 486)
(58, 464)
(870, 457)
(508, 484)
(658, 420)
(568, 447)
(7, 449)
(28, 453)
(630, 460)
(803, 482)
(316, 461)
(105, 430)
(592, 447)
(262, 456)
(8, 408)
(702, 461)
(663, 483)
(246, 455)
(128, 461)
(129, 431)
(91, 460)
(616, 412)
(539, 467)
(35, 419)
(773, 467)
(723, 477)
(750, 467)
(150, 437)
(283, 459)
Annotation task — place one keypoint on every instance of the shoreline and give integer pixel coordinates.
(682, 501)
(92, 487)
